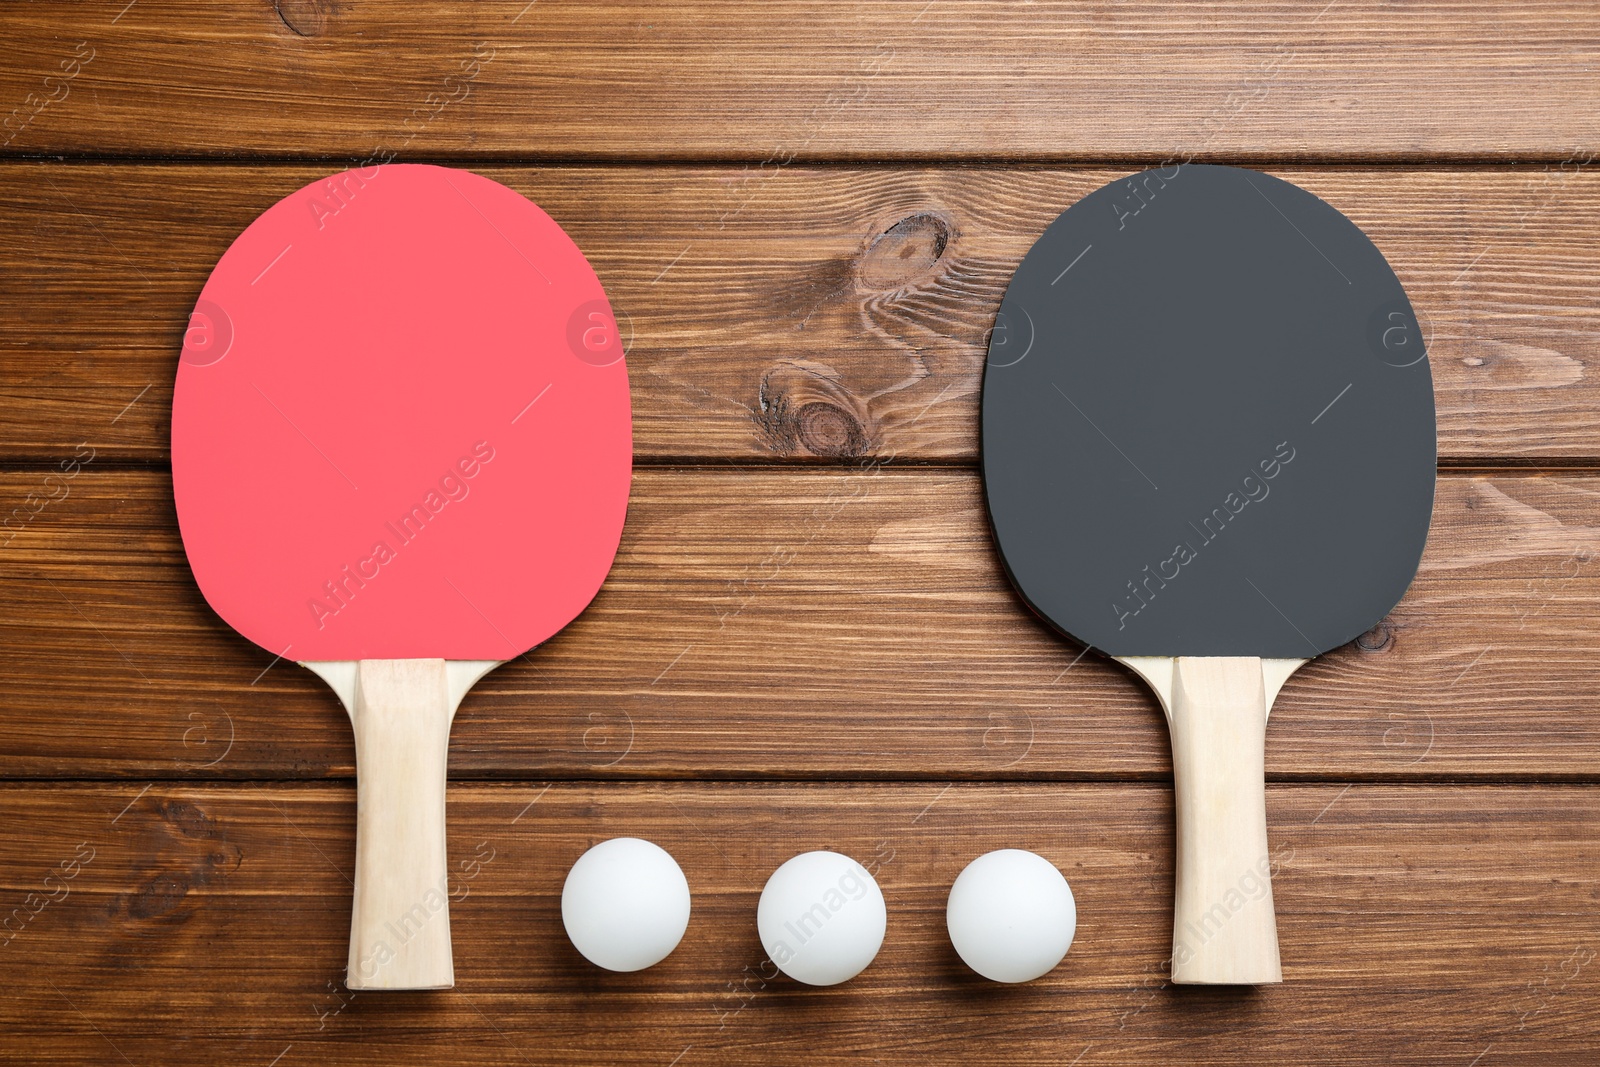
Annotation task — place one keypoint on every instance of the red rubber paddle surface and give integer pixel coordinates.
(401, 424)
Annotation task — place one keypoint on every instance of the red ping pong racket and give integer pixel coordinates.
(401, 454)
(1208, 451)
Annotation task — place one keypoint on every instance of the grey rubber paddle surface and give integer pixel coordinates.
(1208, 424)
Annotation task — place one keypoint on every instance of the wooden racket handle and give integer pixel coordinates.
(400, 924)
(1223, 930)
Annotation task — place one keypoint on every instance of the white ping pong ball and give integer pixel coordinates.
(821, 918)
(625, 904)
(1011, 915)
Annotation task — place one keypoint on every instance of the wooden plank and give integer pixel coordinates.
(1420, 925)
(804, 623)
(804, 78)
(807, 312)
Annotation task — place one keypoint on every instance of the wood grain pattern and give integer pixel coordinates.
(805, 313)
(805, 623)
(1420, 925)
(805, 78)
(806, 214)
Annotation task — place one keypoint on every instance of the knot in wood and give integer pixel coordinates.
(906, 251)
(306, 18)
(804, 407)
(1377, 639)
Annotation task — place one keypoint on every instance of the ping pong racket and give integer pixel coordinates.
(401, 454)
(1208, 452)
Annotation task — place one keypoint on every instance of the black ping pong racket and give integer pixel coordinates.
(1208, 451)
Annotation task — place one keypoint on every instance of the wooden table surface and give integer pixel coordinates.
(805, 214)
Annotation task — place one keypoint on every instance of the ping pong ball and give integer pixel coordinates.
(625, 904)
(821, 918)
(1011, 915)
